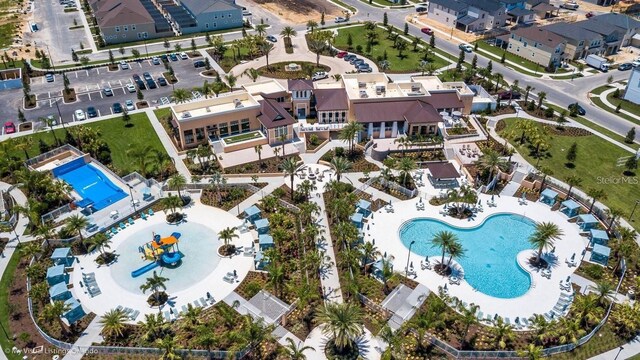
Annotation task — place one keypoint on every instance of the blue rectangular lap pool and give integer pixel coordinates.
(92, 185)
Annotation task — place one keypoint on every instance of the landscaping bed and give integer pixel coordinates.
(357, 158)
(229, 197)
(277, 70)
(270, 165)
(70, 96)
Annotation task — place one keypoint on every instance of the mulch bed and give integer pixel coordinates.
(142, 104)
(270, 165)
(358, 161)
(25, 126)
(69, 96)
(277, 70)
(30, 102)
(210, 197)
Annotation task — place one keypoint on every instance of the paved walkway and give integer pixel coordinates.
(168, 144)
(603, 97)
(626, 351)
(257, 196)
(90, 336)
(329, 278)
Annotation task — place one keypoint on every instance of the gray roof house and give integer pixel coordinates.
(123, 21)
(580, 42)
(625, 23)
(211, 15)
(612, 35)
(468, 15)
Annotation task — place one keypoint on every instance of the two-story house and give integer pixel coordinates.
(622, 22)
(538, 45)
(447, 12)
(612, 36)
(468, 15)
(212, 15)
(580, 42)
(123, 21)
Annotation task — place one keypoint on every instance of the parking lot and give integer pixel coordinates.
(90, 84)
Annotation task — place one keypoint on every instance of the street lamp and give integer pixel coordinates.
(619, 351)
(634, 210)
(133, 202)
(145, 47)
(406, 270)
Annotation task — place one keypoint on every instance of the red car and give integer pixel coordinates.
(589, 14)
(427, 31)
(9, 127)
(341, 54)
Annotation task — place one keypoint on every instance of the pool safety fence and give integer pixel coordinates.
(397, 187)
(52, 153)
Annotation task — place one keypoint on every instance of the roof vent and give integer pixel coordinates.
(362, 85)
(363, 94)
(380, 89)
(186, 115)
(208, 109)
(415, 88)
(237, 103)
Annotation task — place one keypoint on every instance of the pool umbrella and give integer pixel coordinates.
(411, 265)
(480, 202)
(385, 255)
(573, 257)
(445, 286)
(495, 317)
(492, 198)
(518, 319)
(569, 278)
(373, 241)
(367, 226)
(426, 258)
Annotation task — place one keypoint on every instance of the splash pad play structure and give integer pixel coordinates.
(161, 251)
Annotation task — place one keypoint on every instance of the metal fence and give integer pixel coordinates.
(52, 153)
(54, 214)
(397, 187)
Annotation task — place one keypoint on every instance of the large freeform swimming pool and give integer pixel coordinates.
(489, 263)
(92, 185)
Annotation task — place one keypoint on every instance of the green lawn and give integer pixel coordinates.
(116, 135)
(4, 305)
(595, 164)
(409, 63)
(624, 105)
(242, 137)
(604, 341)
(530, 65)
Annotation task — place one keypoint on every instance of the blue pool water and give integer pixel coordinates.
(198, 243)
(489, 264)
(93, 186)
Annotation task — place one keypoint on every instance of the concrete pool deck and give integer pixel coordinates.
(539, 299)
(113, 294)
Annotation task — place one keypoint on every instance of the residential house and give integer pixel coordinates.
(579, 42)
(628, 25)
(123, 21)
(468, 15)
(612, 36)
(332, 105)
(602, 2)
(542, 8)
(538, 45)
(212, 15)
(447, 12)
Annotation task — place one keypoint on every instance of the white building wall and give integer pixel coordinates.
(632, 93)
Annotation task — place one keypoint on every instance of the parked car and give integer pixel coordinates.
(92, 112)
(579, 109)
(625, 66)
(129, 105)
(135, 77)
(79, 114)
(117, 108)
(341, 54)
(570, 5)
(340, 19)
(364, 68)
(427, 31)
(141, 85)
(184, 56)
(9, 127)
(506, 95)
(155, 61)
(246, 13)
(319, 75)
(635, 63)
(466, 47)
(107, 91)
(173, 57)
(349, 57)
(124, 65)
(271, 38)
(162, 81)
(49, 77)
(199, 63)
(356, 61)
(151, 84)
(164, 58)
(147, 76)
(131, 88)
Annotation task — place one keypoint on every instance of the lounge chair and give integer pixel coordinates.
(119, 307)
(507, 321)
(524, 322)
(167, 316)
(143, 216)
(228, 279)
(549, 316)
(559, 308)
(479, 315)
(122, 226)
(184, 309)
(134, 315)
(488, 318)
(150, 212)
(203, 302)
(130, 221)
(114, 230)
(196, 303)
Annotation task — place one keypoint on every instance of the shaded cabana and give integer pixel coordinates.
(265, 241)
(262, 226)
(587, 221)
(548, 197)
(364, 207)
(59, 292)
(356, 219)
(570, 208)
(62, 256)
(600, 254)
(599, 237)
(260, 261)
(75, 312)
(56, 274)
(443, 175)
(252, 213)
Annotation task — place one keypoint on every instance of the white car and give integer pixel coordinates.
(183, 56)
(319, 75)
(340, 19)
(129, 105)
(466, 47)
(79, 114)
(124, 65)
(635, 63)
(131, 88)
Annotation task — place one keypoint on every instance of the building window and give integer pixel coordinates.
(215, 25)
(188, 136)
(206, 25)
(199, 134)
(344, 115)
(235, 128)
(244, 125)
(281, 131)
(117, 28)
(125, 28)
(133, 27)
(224, 130)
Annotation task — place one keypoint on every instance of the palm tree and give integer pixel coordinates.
(625, 246)
(177, 182)
(541, 97)
(340, 165)
(544, 236)
(605, 292)
(171, 202)
(527, 91)
(30, 249)
(252, 74)
(255, 332)
(153, 325)
(227, 235)
(343, 323)
(491, 161)
(231, 80)
(387, 274)
(75, 224)
(276, 277)
(113, 323)
(369, 252)
(261, 29)
(289, 167)
(181, 95)
(532, 352)
(455, 251)
(406, 165)
(569, 330)
(192, 315)
(99, 242)
(311, 26)
(349, 132)
(541, 327)
(444, 240)
(502, 333)
(265, 49)
(155, 283)
(168, 346)
(572, 180)
(258, 150)
(288, 32)
(595, 194)
(296, 351)
(317, 47)
(468, 319)
(53, 312)
(613, 213)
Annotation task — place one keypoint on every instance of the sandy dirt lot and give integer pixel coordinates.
(300, 11)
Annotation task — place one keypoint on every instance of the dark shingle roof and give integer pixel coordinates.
(272, 114)
(299, 84)
(443, 170)
(619, 20)
(520, 12)
(539, 35)
(414, 111)
(198, 7)
(446, 100)
(572, 31)
(597, 26)
(119, 12)
(331, 99)
(450, 4)
(422, 112)
(467, 20)
(486, 5)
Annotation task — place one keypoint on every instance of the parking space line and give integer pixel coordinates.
(87, 71)
(101, 97)
(89, 95)
(76, 73)
(98, 112)
(98, 71)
